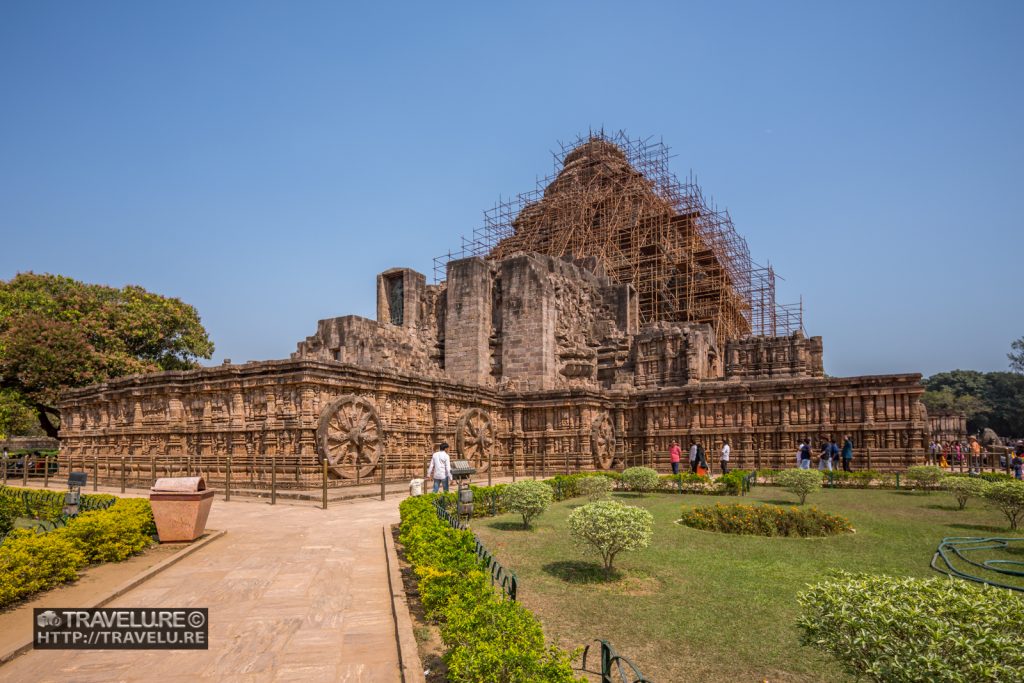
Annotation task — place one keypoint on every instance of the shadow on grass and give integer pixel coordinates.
(782, 502)
(980, 527)
(954, 508)
(578, 571)
(509, 526)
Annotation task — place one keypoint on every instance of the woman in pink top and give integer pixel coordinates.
(675, 452)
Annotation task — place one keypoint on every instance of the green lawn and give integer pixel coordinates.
(703, 606)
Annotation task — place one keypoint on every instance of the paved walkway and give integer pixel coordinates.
(295, 593)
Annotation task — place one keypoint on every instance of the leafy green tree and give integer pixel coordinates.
(57, 333)
(799, 482)
(609, 527)
(993, 399)
(641, 479)
(1016, 355)
(1008, 498)
(16, 417)
(528, 498)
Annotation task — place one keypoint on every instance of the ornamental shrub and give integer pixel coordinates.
(799, 482)
(611, 528)
(902, 629)
(925, 476)
(641, 479)
(996, 476)
(500, 641)
(965, 488)
(487, 639)
(529, 499)
(114, 534)
(1008, 498)
(31, 562)
(765, 520)
(595, 488)
(732, 484)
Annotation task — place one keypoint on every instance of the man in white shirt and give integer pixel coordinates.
(440, 469)
(725, 456)
(693, 457)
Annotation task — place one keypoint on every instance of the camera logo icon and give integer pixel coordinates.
(48, 618)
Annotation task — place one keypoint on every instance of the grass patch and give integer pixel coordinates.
(716, 607)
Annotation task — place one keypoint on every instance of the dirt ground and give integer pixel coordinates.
(93, 584)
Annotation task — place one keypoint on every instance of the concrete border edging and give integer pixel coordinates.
(25, 646)
(408, 655)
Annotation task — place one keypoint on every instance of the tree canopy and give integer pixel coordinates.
(57, 333)
(989, 399)
(1016, 355)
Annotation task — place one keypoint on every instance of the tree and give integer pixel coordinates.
(596, 488)
(965, 488)
(529, 498)
(800, 482)
(57, 333)
(611, 528)
(993, 399)
(1008, 498)
(641, 479)
(1016, 355)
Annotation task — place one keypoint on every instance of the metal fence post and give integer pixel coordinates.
(122, 474)
(868, 452)
(897, 480)
(24, 470)
(489, 468)
(227, 480)
(46, 472)
(273, 480)
(383, 473)
(95, 474)
(5, 471)
(152, 468)
(325, 484)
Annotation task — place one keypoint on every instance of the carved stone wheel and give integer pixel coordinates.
(350, 436)
(475, 437)
(602, 442)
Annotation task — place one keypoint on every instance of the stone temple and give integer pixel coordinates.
(586, 326)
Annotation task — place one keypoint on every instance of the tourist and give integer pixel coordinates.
(693, 457)
(943, 463)
(674, 454)
(975, 464)
(958, 454)
(440, 469)
(702, 461)
(805, 455)
(825, 459)
(725, 456)
(933, 452)
(1018, 462)
(847, 452)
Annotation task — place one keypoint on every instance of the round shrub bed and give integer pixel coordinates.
(765, 520)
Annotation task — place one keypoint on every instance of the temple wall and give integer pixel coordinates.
(275, 407)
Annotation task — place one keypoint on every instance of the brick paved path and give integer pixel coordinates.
(295, 594)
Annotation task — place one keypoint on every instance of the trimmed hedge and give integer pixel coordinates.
(487, 639)
(46, 506)
(32, 562)
(902, 629)
(765, 520)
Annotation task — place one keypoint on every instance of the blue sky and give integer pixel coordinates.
(263, 161)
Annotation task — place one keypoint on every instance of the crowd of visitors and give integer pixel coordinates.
(831, 455)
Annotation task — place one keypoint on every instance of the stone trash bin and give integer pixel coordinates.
(181, 506)
(416, 487)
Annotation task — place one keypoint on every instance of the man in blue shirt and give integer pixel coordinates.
(847, 453)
